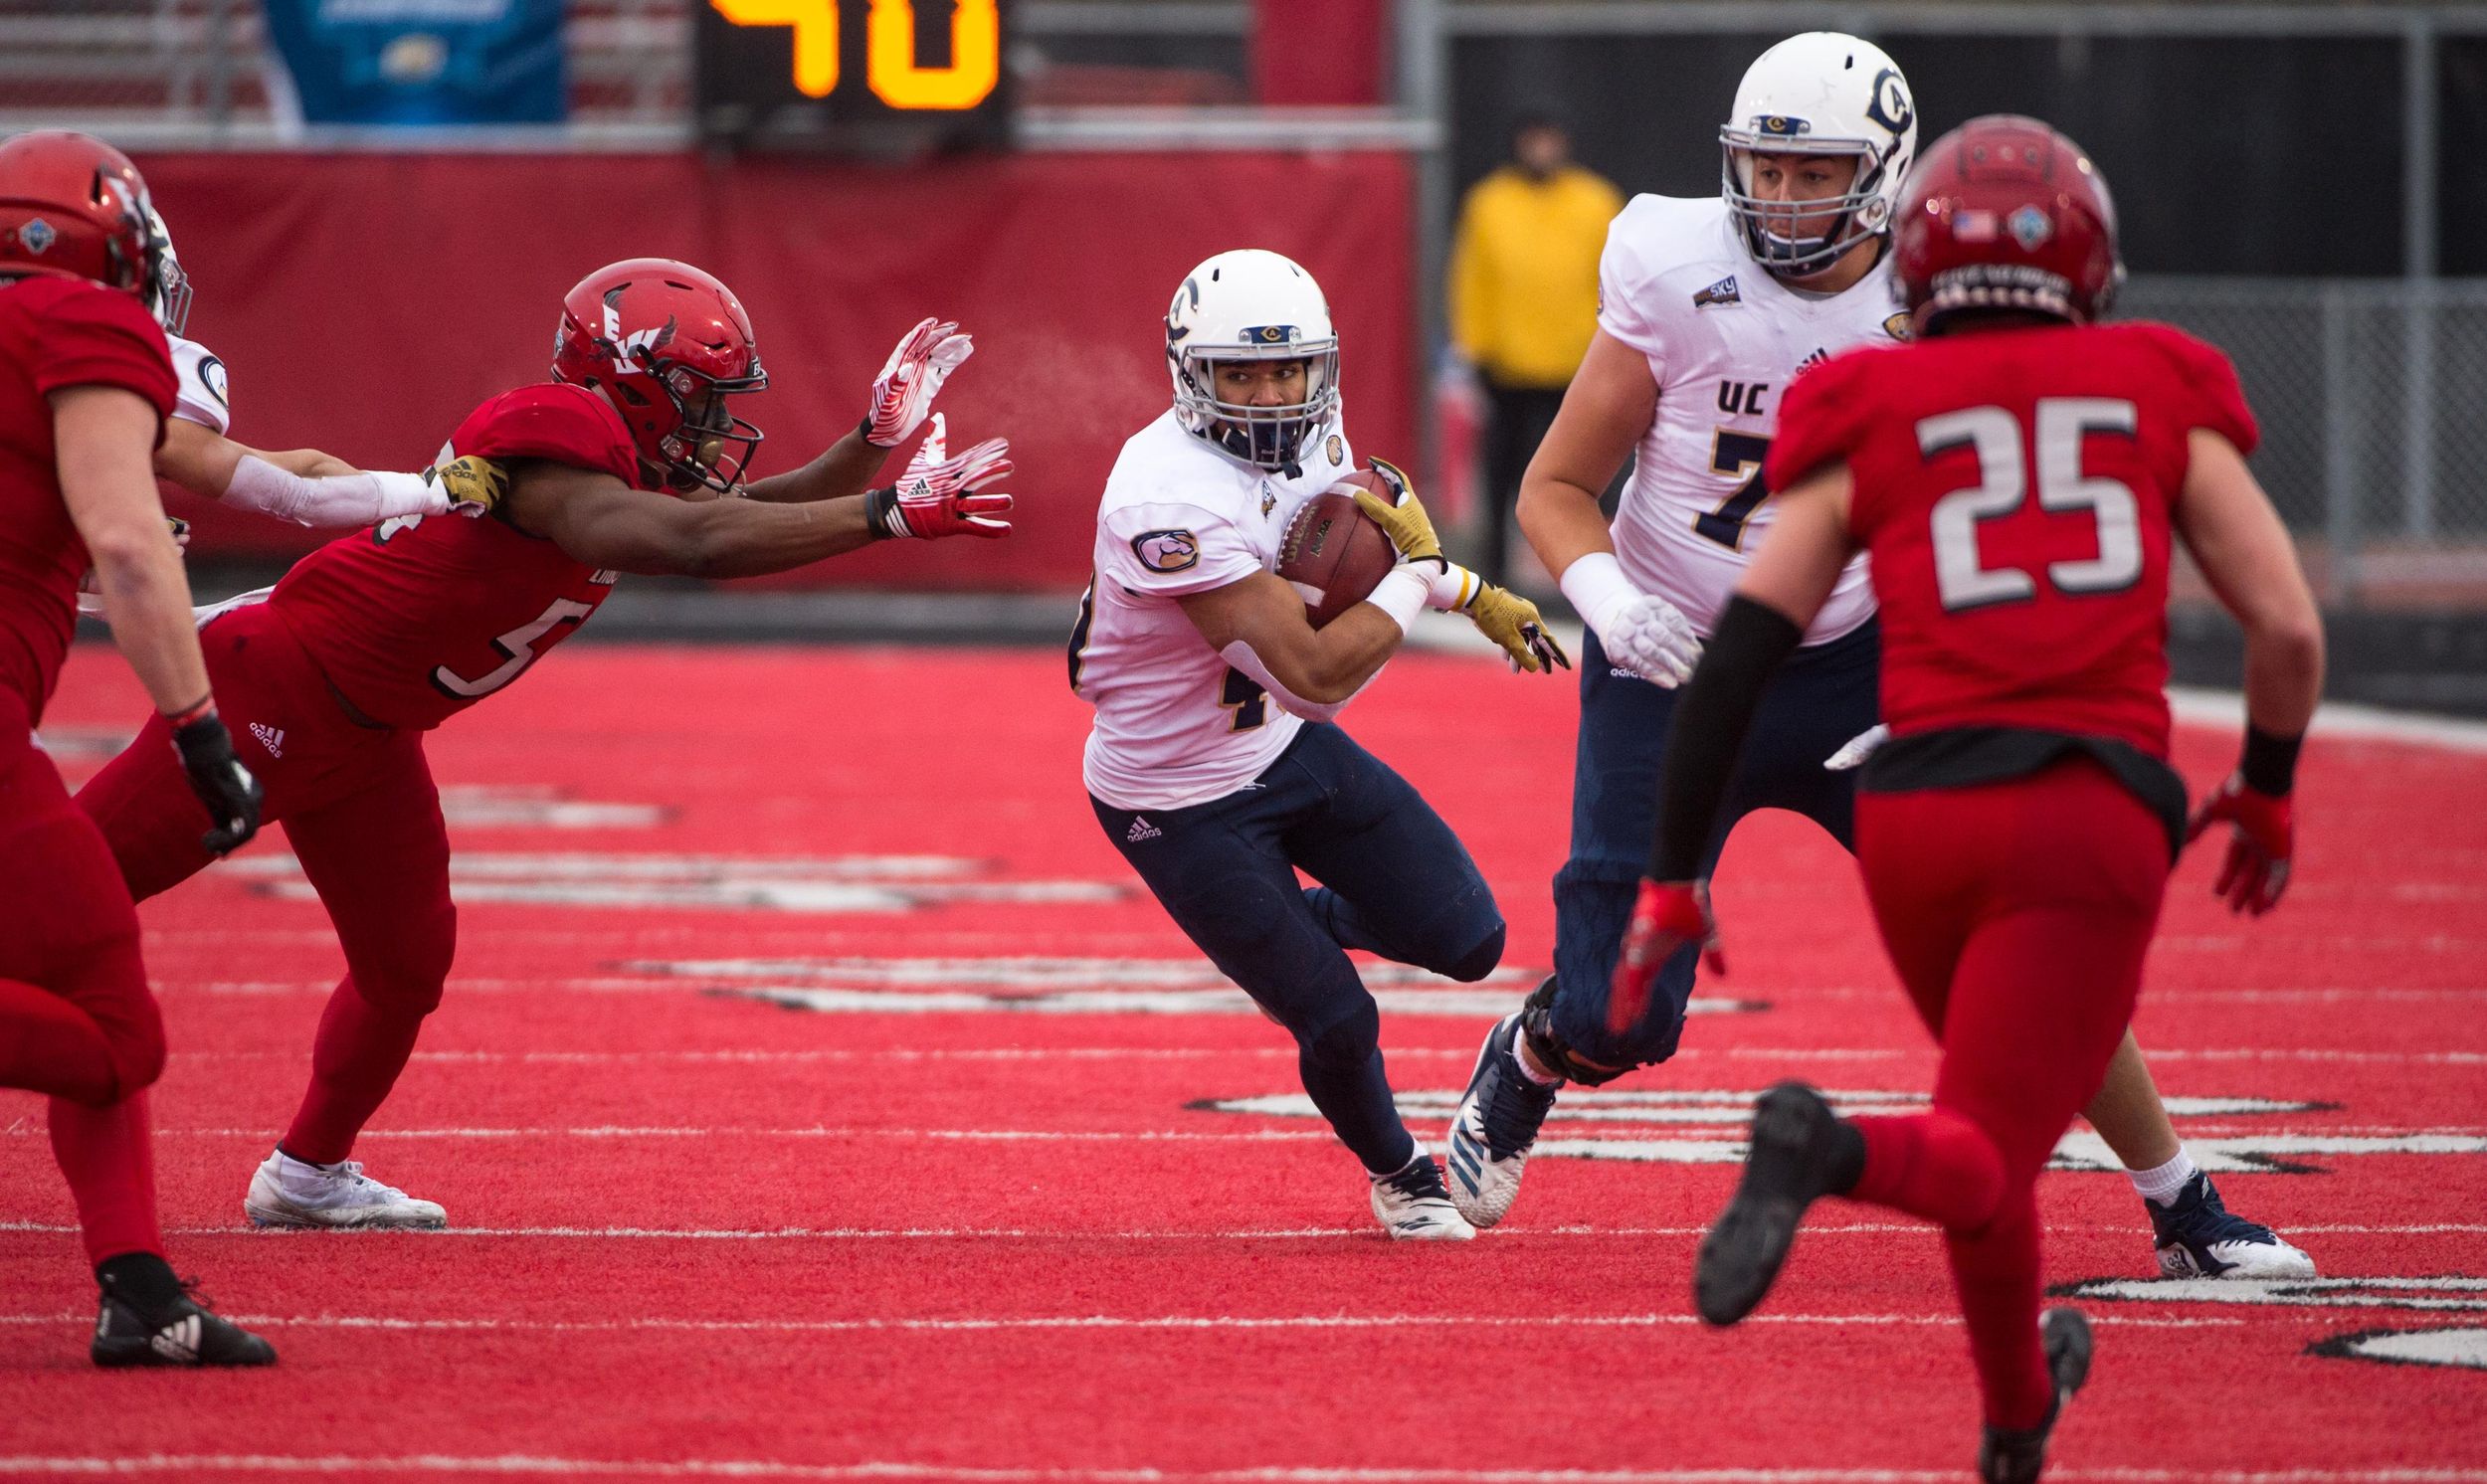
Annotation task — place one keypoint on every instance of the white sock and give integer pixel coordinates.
(2160, 1184)
(1529, 1067)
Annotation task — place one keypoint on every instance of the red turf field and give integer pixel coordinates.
(960, 1215)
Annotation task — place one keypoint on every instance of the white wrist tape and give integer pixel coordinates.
(1453, 591)
(1598, 589)
(337, 500)
(1241, 655)
(1403, 594)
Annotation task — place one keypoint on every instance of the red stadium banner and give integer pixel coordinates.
(363, 303)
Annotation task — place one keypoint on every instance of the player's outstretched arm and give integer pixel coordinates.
(312, 489)
(1258, 625)
(2227, 523)
(102, 436)
(600, 520)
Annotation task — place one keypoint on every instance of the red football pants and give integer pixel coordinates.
(77, 1020)
(359, 808)
(2018, 914)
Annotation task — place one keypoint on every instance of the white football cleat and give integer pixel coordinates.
(287, 1192)
(1414, 1205)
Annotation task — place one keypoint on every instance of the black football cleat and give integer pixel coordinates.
(1801, 1152)
(2018, 1456)
(183, 1333)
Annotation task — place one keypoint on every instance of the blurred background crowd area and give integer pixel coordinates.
(380, 201)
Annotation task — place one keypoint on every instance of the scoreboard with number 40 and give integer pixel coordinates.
(866, 73)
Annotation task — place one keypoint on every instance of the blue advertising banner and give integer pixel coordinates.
(423, 61)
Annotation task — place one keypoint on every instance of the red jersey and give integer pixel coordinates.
(55, 333)
(2013, 489)
(419, 618)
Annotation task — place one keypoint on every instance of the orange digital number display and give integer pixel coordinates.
(894, 74)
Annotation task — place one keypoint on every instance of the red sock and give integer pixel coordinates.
(108, 1157)
(1936, 1165)
(49, 1046)
(360, 1049)
(1997, 1274)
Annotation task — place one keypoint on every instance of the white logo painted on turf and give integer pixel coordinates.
(1081, 986)
(825, 884)
(1716, 1121)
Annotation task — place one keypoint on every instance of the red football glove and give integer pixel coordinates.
(937, 496)
(910, 380)
(1666, 916)
(2262, 837)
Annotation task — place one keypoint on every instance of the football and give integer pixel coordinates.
(1332, 553)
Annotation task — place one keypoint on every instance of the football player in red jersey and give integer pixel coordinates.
(85, 383)
(629, 460)
(2016, 477)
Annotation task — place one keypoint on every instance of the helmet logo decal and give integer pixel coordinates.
(1782, 124)
(1273, 334)
(2029, 228)
(38, 235)
(1166, 551)
(1890, 106)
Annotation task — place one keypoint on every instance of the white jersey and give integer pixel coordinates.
(200, 397)
(1723, 338)
(1175, 724)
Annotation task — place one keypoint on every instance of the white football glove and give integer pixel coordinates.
(1854, 752)
(911, 378)
(1641, 632)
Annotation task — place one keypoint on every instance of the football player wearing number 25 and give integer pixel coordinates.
(1708, 309)
(628, 460)
(2019, 479)
(1214, 765)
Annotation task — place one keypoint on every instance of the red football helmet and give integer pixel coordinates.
(668, 345)
(2004, 213)
(73, 206)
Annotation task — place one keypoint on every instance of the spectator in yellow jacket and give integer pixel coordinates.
(1524, 300)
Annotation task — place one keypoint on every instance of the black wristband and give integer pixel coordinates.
(863, 430)
(881, 509)
(2269, 765)
(1707, 730)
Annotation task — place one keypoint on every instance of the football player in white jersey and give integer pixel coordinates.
(1707, 308)
(1213, 764)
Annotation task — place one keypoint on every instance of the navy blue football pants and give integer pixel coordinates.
(1395, 881)
(1820, 698)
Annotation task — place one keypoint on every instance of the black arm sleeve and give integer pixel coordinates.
(1707, 731)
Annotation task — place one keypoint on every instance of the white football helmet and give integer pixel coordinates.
(171, 301)
(1822, 92)
(1252, 305)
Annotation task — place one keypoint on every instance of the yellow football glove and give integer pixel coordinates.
(474, 485)
(1512, 622)
(1406, 524)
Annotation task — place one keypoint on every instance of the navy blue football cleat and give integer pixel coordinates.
(1495, 1127)
(2199, 1238)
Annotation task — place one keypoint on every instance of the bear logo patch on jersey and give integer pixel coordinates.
(1721, 293)
(1899, 327)
(1166, 551)
(1336, 450)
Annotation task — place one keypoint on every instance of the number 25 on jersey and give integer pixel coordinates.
(1962, 578)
